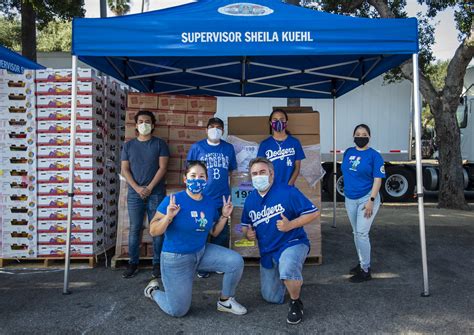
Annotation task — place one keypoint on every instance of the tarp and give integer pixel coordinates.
(263, 48)
(13, 62)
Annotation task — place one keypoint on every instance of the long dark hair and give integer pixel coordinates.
(362, 125)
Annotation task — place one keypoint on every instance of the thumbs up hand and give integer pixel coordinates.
(251, 234)
(284, 224)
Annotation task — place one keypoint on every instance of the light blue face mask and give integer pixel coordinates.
(196, 186)
(261, 183)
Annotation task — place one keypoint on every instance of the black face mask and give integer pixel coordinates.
(361, 141)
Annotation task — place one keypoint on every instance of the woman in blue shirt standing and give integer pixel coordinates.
(282, 149)
(363, 170)
(186, 218)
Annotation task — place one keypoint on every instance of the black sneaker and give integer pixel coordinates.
(156, 273)
(355, 269)
(361, 276)
(295, 312)
(203, 274)
(132, 270)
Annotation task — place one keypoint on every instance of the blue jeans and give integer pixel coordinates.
(289, 267)
(137, 207)
(178, 270)
(361, 226)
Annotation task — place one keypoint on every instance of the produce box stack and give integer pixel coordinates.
(245, 134)
(181, 120)
(18, 201)
(54, 114)
(113, 108)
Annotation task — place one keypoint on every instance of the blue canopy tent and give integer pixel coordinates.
(13, 62)
(261, 49)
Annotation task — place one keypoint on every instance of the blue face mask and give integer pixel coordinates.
(261, 183)
(195, 186)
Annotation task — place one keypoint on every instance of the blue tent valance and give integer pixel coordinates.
(226, 48)
(15, 63)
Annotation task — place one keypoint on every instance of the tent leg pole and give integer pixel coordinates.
(72, 149)
(334, 167)
(419, 175)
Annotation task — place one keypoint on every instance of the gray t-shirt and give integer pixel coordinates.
(144, 161)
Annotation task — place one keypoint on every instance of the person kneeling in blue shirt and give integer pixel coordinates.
(186, 219)
(274, 215)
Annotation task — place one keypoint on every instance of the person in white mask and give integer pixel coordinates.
(219, 157)
(274, 214)
(144, 165)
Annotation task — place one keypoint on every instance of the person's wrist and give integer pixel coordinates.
(372, 199)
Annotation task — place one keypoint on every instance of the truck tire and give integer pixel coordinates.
(399, 184)
(330, 185)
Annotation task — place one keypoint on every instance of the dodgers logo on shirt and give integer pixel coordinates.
(265, 214)
(354, 161)
(200, 220)
(281, 153)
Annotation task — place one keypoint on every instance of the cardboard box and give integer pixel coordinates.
(187, 134)
(308, 139)
(61, 214)
(65, 126)
(83, 151)
(176, 164)
(53, 164)
(63, 139)
(20, 250)
(55, 177)
(173, 102)
(179, 149)
(56, 114)
(198, 119)
(202, 103)
(27, 76)
(65, 88)
(302, 120)
(62, 189)
(60, 226)
(64, 75)
(170, 118)
(174, 178)
(238, 241)
(52, 238)
(248, 125)
(142, 100)
(241, 186)
(59, 251)
(54, 201)
(59, 101)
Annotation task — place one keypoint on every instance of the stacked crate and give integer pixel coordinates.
(53, 126)
(246, 133)
(181, 121)
(18, 202)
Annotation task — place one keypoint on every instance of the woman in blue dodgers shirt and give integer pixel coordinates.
(186, 219)
(282, 149)
(275, 214)
(219, 157)
(363, 170)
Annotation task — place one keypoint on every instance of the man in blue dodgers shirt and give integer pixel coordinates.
(220, 160)
(274, 214)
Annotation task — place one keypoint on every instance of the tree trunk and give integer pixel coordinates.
(28, 31)
(451, 183)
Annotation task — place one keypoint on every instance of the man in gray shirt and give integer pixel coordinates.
(144, 165)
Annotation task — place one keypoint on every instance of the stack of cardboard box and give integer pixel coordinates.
(248, 132)
(18, 202)
(181, 121)
(54, 114)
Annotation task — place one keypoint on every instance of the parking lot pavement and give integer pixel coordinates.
(103, 303)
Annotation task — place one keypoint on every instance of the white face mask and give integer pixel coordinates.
(144, 128)
(261, 183)
(214, 134)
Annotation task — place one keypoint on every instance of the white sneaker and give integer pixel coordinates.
(152, 285)
(219, 272)
(231, 306)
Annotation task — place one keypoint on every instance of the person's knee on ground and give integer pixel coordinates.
(269, 295)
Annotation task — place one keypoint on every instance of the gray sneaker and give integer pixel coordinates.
(152, 286)
(231, 306)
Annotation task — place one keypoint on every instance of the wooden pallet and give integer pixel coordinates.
(120, 261)
(47, 261)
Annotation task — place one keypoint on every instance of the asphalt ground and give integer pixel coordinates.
(31, 300)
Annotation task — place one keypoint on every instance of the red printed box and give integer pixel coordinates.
(52, 101)
(64, 75)
(61, 226)
(82, 126)
(173, 102)
(58, 114)
(86, 176)
(64, 139)
(53, 164)
(62, 189)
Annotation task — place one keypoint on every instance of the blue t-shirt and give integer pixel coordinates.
(220, 159)
(359, 168)
(188, 231)
(264, 212)
(283, 155)
(144, 158)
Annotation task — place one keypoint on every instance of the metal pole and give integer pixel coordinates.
(419, 174)
(72, 149)
(334, 157)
